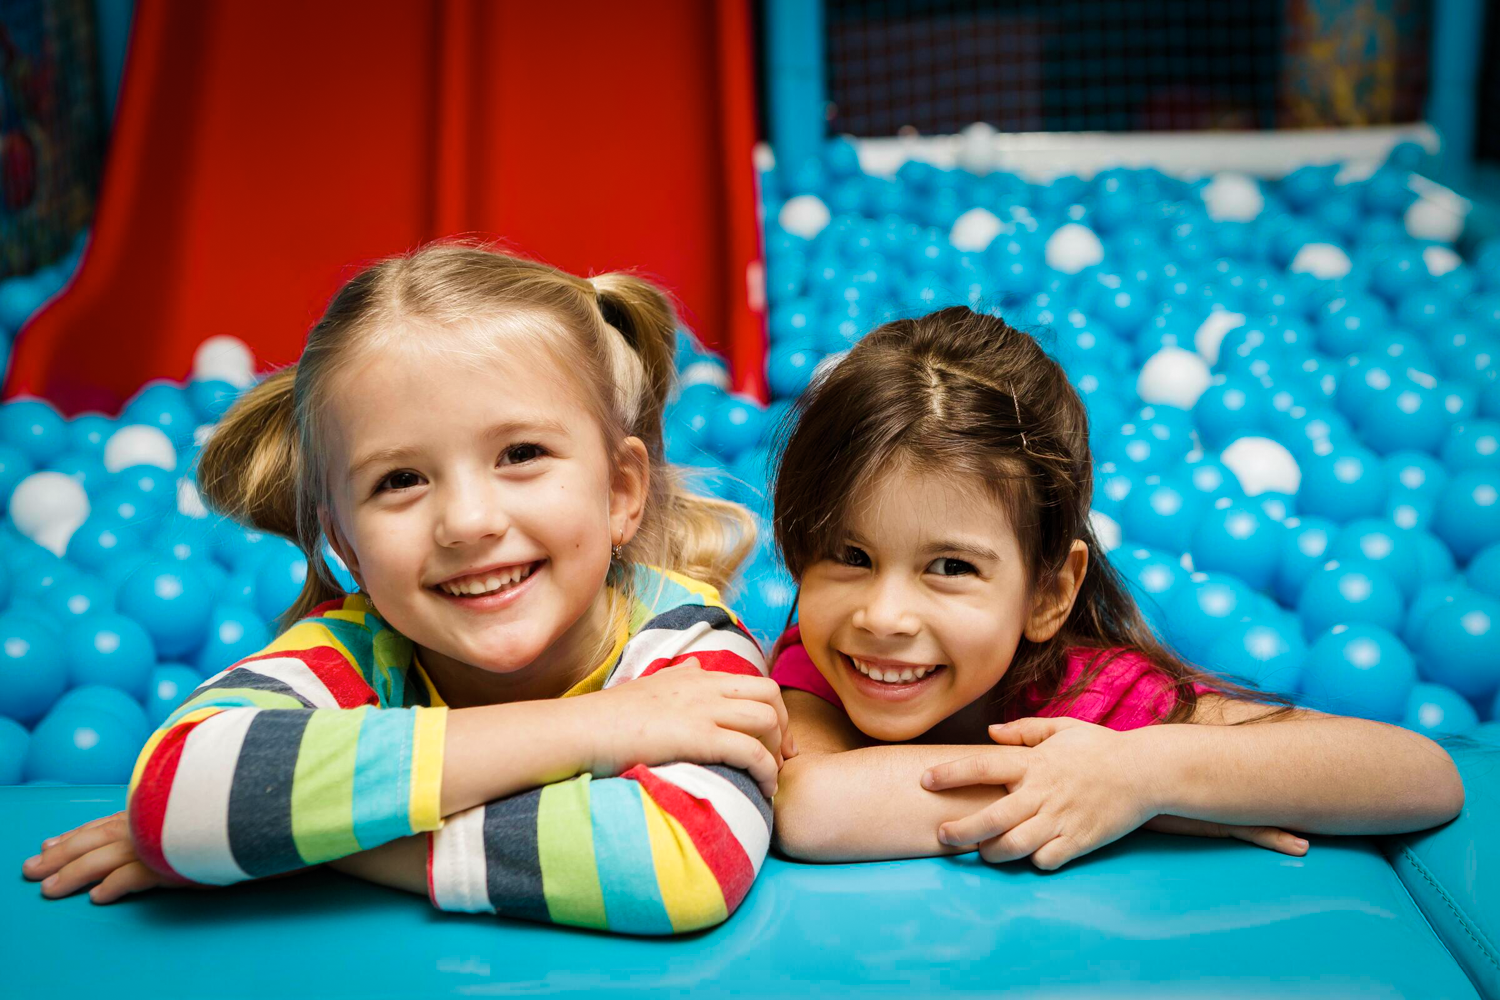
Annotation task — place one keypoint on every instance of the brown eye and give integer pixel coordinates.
(520, 454)
(853, 555)
(402, 480)
(947, 566)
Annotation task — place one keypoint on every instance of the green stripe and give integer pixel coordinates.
(323, 785)
(565, 847)
(220, 697)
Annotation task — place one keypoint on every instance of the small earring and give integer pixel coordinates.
(614, 553)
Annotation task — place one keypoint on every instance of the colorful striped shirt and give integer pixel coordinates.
(330, 742)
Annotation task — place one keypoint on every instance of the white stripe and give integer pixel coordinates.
(460, 882)
(650, 645)
(195, 830)
(294, 674)
(737, 812)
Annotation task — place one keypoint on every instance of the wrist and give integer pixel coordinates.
(1151, 758)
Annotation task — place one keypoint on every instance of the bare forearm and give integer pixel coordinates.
(400, 864)
(1317, 775)
(869, 804)
(498, 750)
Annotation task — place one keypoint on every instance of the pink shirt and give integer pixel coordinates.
(1127, 693)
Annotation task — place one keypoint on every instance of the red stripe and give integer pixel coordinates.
(148, 806)
(718, 660)
(431, 885)
(716, 843)
(337, 604)
(343, 681)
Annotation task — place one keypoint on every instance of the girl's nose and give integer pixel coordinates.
(468, 514)
(887, 610)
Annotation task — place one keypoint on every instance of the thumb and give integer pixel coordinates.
(1030, 732)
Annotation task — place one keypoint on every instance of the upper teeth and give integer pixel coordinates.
(489, 583)
(892, 675)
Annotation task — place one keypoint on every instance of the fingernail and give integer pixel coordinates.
(31, 861)
(943, 837)
(1299, 841)
(49, 881)
(49, 842)
(926, 779)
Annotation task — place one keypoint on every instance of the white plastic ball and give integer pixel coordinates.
(1211, 333)
(1440, 260)
(227, 358)
(139, 444)
(704, 372)
(1173, 377)
(1322, 260)
(1262, 466)
(1072, 248)
(1233, 197)
(47, 507)
(804, 216)
(1106, 531)
(1430, 219)
(976, 148)
(975, 230)
(189, 503)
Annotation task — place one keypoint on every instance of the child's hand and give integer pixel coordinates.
(691, 714)
(1073, 787)
(1269, 837)
(98, 851)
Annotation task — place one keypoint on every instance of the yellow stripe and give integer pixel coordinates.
(689, 890)
(156, 738)
(428, 733)
(709, 594)
(308, 635)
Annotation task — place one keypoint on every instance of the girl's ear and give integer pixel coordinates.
(628, 489)
(1055, 601)
(340, 544)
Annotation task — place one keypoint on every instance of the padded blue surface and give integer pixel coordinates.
(1151, 915)
(1453, 872)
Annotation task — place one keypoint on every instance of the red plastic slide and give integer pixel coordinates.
(262, 147)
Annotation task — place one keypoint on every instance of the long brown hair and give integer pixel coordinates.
(266, 463)
(966, 394)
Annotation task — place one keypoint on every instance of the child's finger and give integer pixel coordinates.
(50, 841)
(88, 869)
(1271, 838)
(1030, 731)
(993, 821)
(134, 877)
(1021, 842)
(748, 754)
(65, 851)
(981, 769)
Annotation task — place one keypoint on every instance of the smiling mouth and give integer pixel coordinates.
(894, 676)
(489, 584)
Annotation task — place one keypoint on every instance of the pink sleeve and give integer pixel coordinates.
(1127, 693)
(792, 668)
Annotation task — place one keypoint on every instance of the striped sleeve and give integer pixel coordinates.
(656, 850)
(284, 760)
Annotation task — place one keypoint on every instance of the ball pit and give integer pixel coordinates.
(1294, 406)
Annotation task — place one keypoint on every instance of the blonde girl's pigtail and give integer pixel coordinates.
(249, 471)
(703, 537)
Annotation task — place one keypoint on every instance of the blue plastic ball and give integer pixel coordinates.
(1474, 445)
(1459, 645)
(1349, 592)
(1483, 572)
(789, 366)
(1415, 472)
(1385, 545)
(155, 488)
(1232, 406)
(169, 686)
(279, 577)
(74, 600)
(171, 600)
(234, 633)
(88, 433)
(33, 674)
(112, 650)
(766, 596)
(1407, 416)
(164, 406)
(85, 745)
(211, 398)
(1467, 516)
(88, 470)
(1434, 711)
(15, 465)
(736, 425)
(1237, 539)
(1344, 485)
(1162, 514)
(1268, 656)
(1201, 609)
(14, 740)
(1361, 670)
(35, 428)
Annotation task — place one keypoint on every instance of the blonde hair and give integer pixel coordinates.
(266, 464)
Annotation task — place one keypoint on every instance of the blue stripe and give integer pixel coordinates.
(382, 776)
(622, 851)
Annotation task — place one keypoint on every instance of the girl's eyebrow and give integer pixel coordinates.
(967, 548)
(505, 428)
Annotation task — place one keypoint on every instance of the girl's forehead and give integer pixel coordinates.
(908, 501)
